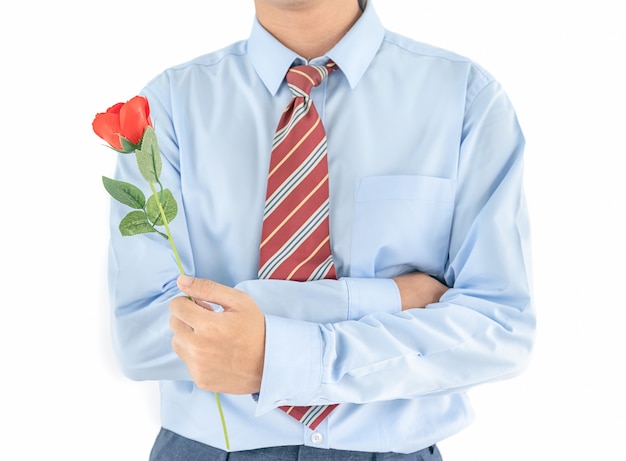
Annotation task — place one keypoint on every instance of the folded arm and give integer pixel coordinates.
(481, 330)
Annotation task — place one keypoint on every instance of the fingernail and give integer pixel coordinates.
(185, 280)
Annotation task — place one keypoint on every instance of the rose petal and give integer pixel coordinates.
(115, 109)
(107, 126)
(134, 118)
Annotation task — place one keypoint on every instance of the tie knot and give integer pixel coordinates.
(302, 78)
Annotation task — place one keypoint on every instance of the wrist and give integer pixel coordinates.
(418, 289)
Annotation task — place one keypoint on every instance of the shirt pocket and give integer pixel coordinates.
(401, 224)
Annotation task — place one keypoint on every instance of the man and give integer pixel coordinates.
(428, 294)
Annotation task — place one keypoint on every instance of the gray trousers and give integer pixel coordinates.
(170, 446)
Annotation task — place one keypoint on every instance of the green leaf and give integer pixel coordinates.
(125, 193)
(134, 223)
(149, 157)
(127, 146)
(170, 208)
(119, 151)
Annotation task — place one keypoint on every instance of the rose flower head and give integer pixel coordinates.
(122, 126)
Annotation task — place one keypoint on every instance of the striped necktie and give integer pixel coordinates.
(295, 241)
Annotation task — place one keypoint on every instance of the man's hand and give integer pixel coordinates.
(418, 289)
(224, 351)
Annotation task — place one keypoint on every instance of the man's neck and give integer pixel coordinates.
(308, 27)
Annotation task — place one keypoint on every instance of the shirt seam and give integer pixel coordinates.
(215, 57)
(480, 92)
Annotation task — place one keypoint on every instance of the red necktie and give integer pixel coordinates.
(295, 241)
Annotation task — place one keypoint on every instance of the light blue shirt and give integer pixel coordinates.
(425, 164)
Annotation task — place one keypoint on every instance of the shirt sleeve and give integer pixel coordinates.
(481, 330)
(324, 301)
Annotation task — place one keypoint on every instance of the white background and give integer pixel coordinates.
(561, 62)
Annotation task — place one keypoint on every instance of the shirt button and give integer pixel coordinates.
(317, 438)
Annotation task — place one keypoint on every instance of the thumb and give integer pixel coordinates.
(208, 290)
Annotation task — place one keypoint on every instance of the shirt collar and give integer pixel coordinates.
(353, 54)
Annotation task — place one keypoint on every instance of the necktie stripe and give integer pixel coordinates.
(292, 140)
(287, 410)
(280, 221)
(326, 270)
(295, 184)
(292, 133)
(305, 75)
(320, 416)
(281, 247)
(311, 256)
(289, 119)
(285, 248)
(311, 414)
(307, 243)
(295, 241)
(289, 251)
(297, 91)
(291, 172)
(284, 156)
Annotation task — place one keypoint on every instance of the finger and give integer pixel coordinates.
(187, 311)
(180, 328)
(207, 305)
(209, 291)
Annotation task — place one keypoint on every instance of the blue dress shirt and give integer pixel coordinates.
(425, 164)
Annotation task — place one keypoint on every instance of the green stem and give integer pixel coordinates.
(182, 272)
(167, 228)
(219, 407)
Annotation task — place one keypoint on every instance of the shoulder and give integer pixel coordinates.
(235, 51)
(201, 66)
(420, 55)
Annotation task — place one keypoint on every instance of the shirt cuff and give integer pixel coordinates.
(366, 296)
(293, 363)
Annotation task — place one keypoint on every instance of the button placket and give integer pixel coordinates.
(317, 438)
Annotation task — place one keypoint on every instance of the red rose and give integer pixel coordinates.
(124, 122)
